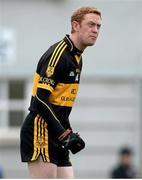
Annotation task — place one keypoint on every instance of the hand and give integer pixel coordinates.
(74, 143)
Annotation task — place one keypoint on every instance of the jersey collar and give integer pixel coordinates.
(72, 46)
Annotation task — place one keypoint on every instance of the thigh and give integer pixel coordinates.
(64, 169)
(26, 138)
(36, 141)
(65, 172)
(63, 157)
(39, 169)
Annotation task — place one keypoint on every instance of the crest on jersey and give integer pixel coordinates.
(50, 71)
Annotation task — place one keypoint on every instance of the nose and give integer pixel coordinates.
(95, 29)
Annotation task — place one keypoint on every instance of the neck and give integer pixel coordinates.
(76, 42)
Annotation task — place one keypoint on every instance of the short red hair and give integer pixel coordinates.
(79, 14)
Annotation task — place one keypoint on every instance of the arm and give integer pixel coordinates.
(67, 138)
(44, 108)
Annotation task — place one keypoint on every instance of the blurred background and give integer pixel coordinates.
(108, 111)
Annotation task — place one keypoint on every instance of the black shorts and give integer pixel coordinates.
(37, 140)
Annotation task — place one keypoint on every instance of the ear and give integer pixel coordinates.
(75, 25)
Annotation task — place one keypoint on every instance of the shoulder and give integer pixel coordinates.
(55, 52)
(116, 172)
(49, 55)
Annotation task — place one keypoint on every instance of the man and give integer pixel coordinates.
(124, 169)
(46, 135)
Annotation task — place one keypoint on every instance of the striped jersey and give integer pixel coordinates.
(58, 71)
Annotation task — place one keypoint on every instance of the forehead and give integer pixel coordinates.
(92, 18)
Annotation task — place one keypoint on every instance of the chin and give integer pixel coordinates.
(91, 43)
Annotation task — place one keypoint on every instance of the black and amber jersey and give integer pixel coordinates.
(58, 75)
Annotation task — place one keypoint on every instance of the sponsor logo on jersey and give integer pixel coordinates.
(46, 80)
(67, 98)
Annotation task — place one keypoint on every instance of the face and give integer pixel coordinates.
(88, 29)
(126, 159)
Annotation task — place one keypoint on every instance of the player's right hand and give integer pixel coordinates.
(72, 141)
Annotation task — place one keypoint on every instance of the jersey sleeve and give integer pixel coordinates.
(50, 68)
(47, 75)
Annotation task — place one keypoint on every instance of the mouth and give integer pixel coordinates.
(93, 37)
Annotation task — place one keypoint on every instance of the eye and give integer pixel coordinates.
(98, 26)
(91, 24)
